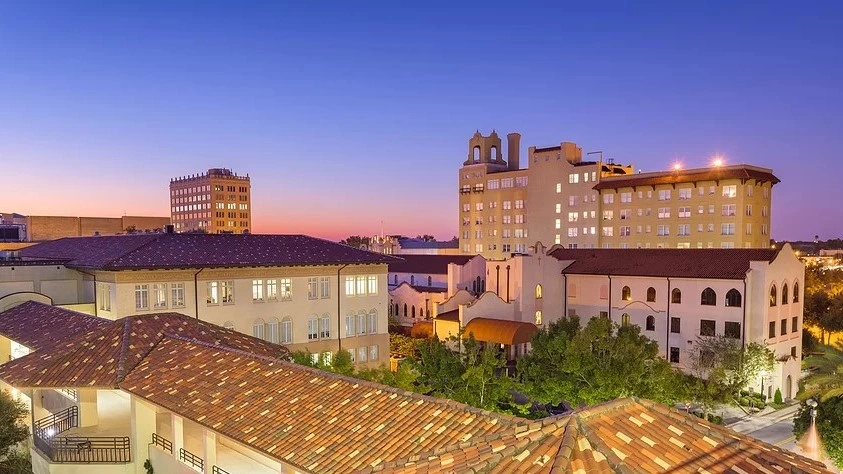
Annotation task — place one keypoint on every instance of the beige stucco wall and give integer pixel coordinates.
(62, 285)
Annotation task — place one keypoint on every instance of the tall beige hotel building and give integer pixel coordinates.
(561, 199)
(216, 202)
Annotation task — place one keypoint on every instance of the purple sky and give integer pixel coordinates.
(346, 116)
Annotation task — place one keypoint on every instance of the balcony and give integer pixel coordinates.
(47, 434)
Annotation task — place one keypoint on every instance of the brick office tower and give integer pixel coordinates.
(217, 202)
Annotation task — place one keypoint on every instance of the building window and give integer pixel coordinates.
(104, 297)
(664, 195)
(349, 286)
(258, 328)
(271, 290)
(325, 327)
(733, 298)
(325, 287)
(213, 293)
(732, 330)
(730, 191)
(286, 331)
(783, 327)
(785, 294)
(141, 296)
(312, 288)
(625, 319)
(538, 292)
(674, 355)
(651, 323)
(538, 318)
(159, 295)
(373, 322)
(675, 325)
(676, 296)
(349, 324)
(708, 297)
(361, 354)
(361, 323)
(285, 288)
(360, 284)
(651, 294)
(272, 331)
(771, 330)
(707, 327)
(257, 290)
(373, 352)
(794, 322)
(773, 296)
(227, 292)
(727, 229)
(312, 328)
(796, 292)
(373, 284)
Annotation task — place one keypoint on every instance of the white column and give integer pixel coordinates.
(143, 425)
(5, 349)
(209, 451)
(176, 433)
(88, 414)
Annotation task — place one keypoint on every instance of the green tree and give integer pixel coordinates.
(12, 432)
(440, 369)
(826, 381)
(599, 362)
(357, 241)
(483, 383)
(724, 367)
(829, 426)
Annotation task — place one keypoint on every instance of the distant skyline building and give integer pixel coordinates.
(560, 199)
(217, 202)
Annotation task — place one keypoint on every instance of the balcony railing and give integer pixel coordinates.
(218, 470)
(162, 443)
(187, 457)
(90, 450)
(56, 423)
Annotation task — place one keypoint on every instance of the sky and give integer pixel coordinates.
(354, 117)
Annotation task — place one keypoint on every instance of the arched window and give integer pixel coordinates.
(228, 325)
(626, 293)
(538, 318)
(708, 297)
(258, 329)
(785, 295)
(651, 294)
(421, 312)
(494, 153)
(773, 295)
(286, 331)
(396, 313)
(395, 279)
(796, 292)
(429, 281)
(272, 331)
(651, 323)
(538, 292)
(414, 311)
(483, 285)
(477, 286)
(625, 319)
(372, 322)
(733, 298)
(475, 154)
(474, 287)
(412, 279)
(405, 310)
(676, 296)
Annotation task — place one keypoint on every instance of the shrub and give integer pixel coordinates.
(716, 419)
(777, 398)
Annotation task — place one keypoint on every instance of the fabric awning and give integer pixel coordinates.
(500, 331)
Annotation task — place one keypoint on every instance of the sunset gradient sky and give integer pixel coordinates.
(346, 116)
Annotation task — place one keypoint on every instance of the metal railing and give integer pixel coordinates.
(56, 423)
(218, 470)
(69, 393)
(187, 457)
(162, 442)
(89, 450)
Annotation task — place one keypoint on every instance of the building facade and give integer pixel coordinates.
(304, 293)
(560, 199)
(717, 207)
(216, 202)
(19, 228)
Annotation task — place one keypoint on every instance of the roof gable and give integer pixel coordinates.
(730, 264)
(200, 251)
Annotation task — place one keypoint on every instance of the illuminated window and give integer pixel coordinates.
(141, 296)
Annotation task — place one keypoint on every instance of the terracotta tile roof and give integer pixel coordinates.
(729, 264)
(199, 250)
(688, 176)
(501, 331)
(38, 325)
(427, 264)
(102, 358)
(314, 420)
(622, 436)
